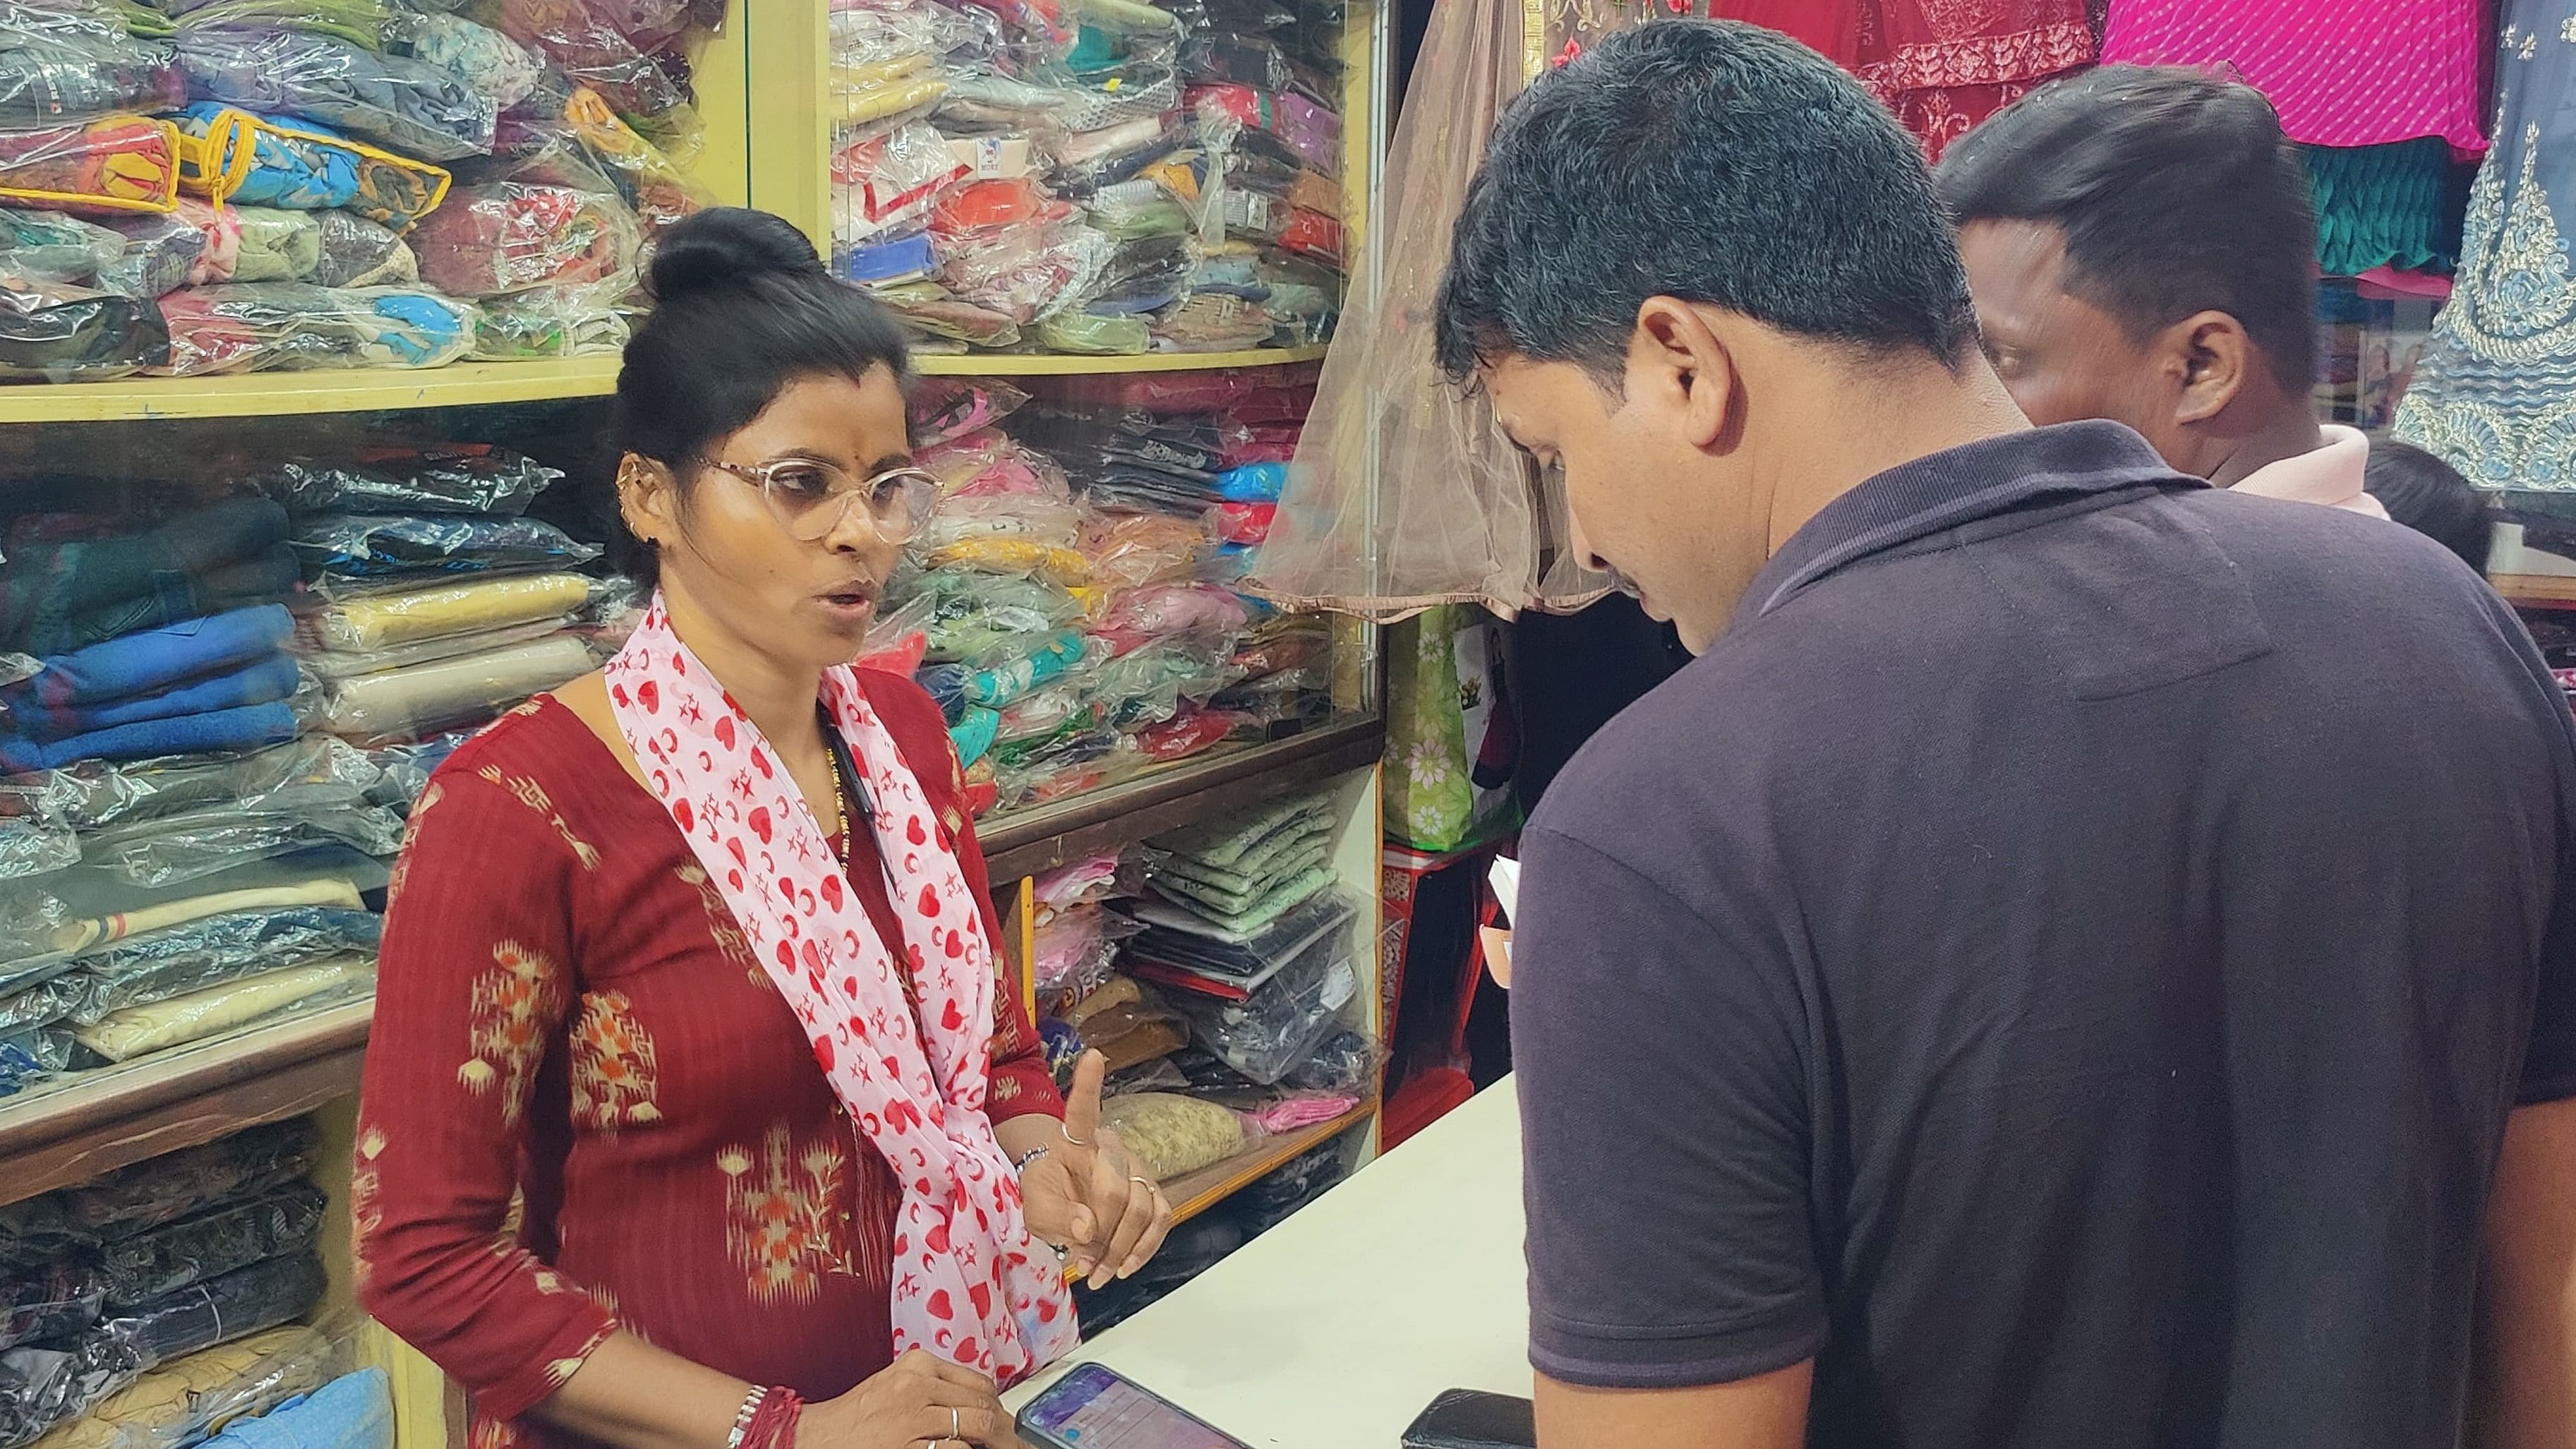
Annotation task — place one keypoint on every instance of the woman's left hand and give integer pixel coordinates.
(1089, 1195)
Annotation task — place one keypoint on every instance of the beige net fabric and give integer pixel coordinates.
(1455, 515)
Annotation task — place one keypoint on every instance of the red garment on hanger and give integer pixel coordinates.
(1941, 65)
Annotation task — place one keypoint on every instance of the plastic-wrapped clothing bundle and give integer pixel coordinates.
(511, 236)
(160, 1191)
(235, 157)
(271, 677)
(57, 332)
(71, 60)
(408, 106)
(75, 581)
(594, 51)
(114, 164)
(35, 839)
(491, 63)
(425, 698)
(334, 665)
(216, 251)
(371, 548)
(215, 951)
(31, 1056)
(1279, 1026)
(242, 1302)
(95, 794)
(49, 1300)
(246, 327)
(377, 25)
(161, 254)
(1173, 1135)
(354, 1411)
(465, 478)
(379, 621)
(53, 246)
(190, 847)
(172, 1259)
(146, 663)
(357, 252)
(137, 1031)
(276, 245)
(181, 1402)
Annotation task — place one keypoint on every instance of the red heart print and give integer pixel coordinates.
(956, 944)
(823, 1051)
(983, 1299)
(1046, 1310)
(649, 695)
(734, 844)
(617, 692)
(813, 956)
(912, 830)
(929, 901)
(760, 762)
(832, 891)
(724, 731)
(936, 1240)
(733, 878)
(687, 817)
(940, 1307)
(787, 955)
(951, 1019)
(912, 953)
(850, 987)
(758, 820)
(971, 1350)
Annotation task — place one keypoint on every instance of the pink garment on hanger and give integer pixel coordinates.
(1944, 65)
(2340, 72)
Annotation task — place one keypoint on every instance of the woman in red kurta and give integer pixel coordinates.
(601, 1178)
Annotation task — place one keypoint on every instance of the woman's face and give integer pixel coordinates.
(730, 558)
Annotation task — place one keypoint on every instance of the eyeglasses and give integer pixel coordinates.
(810, 497)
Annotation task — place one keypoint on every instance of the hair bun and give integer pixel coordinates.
(723, 245)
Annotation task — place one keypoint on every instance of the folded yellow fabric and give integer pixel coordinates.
(382, 619)
(124, 1035)
(191, 1397)
(425, 698)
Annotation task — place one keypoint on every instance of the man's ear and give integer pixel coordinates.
(1678, 365)
(648, 498)
(2212, 358)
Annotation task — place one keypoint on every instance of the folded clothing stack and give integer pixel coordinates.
(231, 185)
(444, 602)
(1235, 877)
(216, 683)
(146, 1308)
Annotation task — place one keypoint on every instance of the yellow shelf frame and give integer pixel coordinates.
(477, 384)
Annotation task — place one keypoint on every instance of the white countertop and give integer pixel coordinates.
(1335, 1329)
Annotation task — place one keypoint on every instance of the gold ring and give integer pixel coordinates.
(1069, 1137)
(1143, 1182)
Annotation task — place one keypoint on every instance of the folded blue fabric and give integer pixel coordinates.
(353, 1411)
(1253, 483)
(273, 677)
(246, 728)
(146, 663)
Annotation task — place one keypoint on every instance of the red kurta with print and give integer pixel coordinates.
(586, 1107)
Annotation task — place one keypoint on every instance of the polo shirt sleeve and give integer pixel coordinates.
(1662, 1070)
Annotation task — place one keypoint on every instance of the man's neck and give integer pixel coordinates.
(1912, 415)
(2294, 432)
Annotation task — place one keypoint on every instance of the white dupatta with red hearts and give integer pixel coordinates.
(970, 1284)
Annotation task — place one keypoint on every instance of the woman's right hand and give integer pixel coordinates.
(909, 1404)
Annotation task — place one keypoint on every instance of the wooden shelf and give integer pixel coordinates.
(2537, 591)
(264, 394)
(1194, 1193)
(477, 384)
(1021, 364)
(1025, 842)
(180, 1098)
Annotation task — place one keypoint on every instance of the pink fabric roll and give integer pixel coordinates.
(2341, 72)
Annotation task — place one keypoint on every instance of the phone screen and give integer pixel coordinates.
(1092, 1408)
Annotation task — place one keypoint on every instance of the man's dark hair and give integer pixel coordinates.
(1709, 161)
(2177, 193)
(2430, 497)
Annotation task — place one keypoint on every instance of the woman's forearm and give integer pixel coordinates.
(635, 1396)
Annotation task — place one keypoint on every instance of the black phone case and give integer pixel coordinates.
(1470, 1419)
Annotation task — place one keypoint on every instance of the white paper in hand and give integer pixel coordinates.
(1505, 878)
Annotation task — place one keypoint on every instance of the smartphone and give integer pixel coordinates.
(1092, 1408)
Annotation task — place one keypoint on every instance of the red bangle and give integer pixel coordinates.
(773, 1424)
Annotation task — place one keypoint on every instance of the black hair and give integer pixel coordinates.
(742, 307)
(2432, 498)
(2177, 193)
(1710, 161)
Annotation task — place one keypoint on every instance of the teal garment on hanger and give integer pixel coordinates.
(2495, 395)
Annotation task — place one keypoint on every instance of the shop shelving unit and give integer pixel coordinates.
(761, 84)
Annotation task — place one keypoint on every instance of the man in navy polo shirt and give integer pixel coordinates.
(2082, 958)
